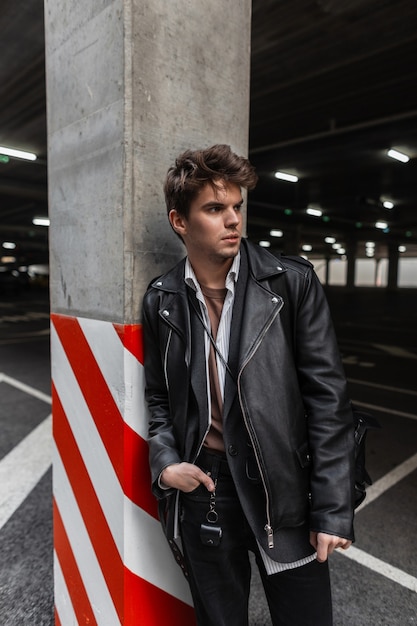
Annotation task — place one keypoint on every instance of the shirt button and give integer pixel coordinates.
(232, 450)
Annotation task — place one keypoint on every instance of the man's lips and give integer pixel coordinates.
(232, 237)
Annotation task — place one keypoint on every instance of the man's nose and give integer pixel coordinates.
(232, 217)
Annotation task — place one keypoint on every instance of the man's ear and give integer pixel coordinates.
(177, 222)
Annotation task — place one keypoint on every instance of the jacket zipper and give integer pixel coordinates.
(268, 528)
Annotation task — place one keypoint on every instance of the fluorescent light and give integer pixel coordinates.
(370, 244)
(336, 246)
(399, 156)
(9, 245)
(402, 248)
(288, 177)
(381, 225)
(265, 244)
(340, 251)
(307, 247)
(41, 221)
(276, 233)
(387, 204)
(330, 240)
(19, 154)
(315, 212)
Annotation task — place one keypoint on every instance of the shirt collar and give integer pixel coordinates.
(231, 278)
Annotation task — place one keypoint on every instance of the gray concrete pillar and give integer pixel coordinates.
(130, 83)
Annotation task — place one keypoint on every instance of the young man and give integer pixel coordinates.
(251, 430)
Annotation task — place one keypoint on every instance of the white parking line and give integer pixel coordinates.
(389, 480)
(381, 567)
(26, 388)
(366, 383)
(23, 467)
(384, 409)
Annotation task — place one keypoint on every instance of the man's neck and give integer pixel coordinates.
(212, 275)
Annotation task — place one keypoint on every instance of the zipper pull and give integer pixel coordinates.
(270, 535)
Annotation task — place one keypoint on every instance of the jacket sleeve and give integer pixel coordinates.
(161, 439)
(329, 415)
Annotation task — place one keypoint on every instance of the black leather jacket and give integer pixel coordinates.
(290, 384)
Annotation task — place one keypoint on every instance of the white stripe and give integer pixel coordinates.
(366, 383)
(122, 371)
(149, 555)
(90, 445)
(395, 351)
(136, 413)
(26, 388)
(389, 480)
(63, 604)
(381, 567)
(383, 409)
(88, 566)
(23, 467)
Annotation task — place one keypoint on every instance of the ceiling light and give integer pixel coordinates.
(288, 177)
(370, 252)
(315, 212)
(402, 248)
(307, 247)
(276, 233)
(330, 240)
(381, 225)
(41, 221)
(399, 156)
(336, 246)
(340, 251)
(265, 244)
(387, 204)
(370, 244)
(19, 154)
(9, 245)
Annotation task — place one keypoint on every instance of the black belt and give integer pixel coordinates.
(208, 459)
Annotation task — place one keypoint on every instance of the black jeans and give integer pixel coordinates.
(220, 576)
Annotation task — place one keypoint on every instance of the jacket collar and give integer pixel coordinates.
(262, 265)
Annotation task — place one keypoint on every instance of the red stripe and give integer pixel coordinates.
(89, 505)
(79, 599)
(94, 388)
(137, 479)
(132, 467)
(151, 606)
(131, 336)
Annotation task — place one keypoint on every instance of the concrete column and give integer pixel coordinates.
(393, 258)
(352, 246)
(130, 83)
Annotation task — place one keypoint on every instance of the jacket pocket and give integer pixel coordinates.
(303, 455)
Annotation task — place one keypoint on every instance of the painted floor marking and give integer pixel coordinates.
(23, 467)
(389, 480)
(381, 567)
(26, 388)
(395, 351)
(383, 409)
(400, 390)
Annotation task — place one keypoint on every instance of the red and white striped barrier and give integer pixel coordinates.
(112, 563)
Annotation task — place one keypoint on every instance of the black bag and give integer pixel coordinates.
(363, 422)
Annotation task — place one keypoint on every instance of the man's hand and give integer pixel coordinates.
(325, 544)
(186, 477)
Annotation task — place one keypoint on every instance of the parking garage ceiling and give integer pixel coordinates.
(333, 87)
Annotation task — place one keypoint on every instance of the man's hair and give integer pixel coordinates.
(193, 169)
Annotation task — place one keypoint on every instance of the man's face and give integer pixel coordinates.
(213, 229)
